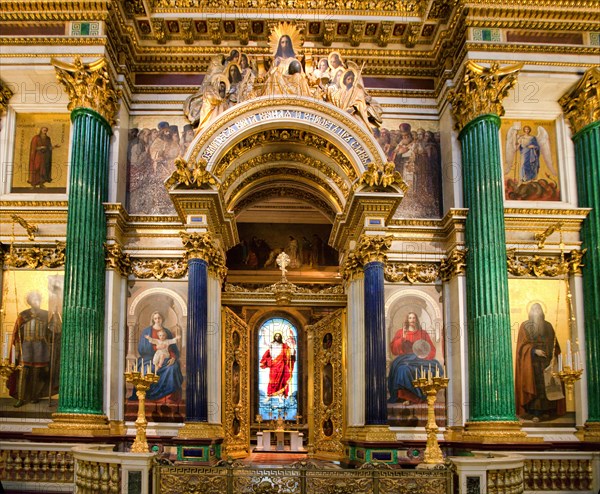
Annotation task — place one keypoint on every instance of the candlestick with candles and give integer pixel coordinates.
(430, 385)
(142, 382)
(571, 372)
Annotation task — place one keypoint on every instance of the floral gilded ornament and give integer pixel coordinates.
(159, 269)
(454, 265)
(116, 259)
(88, 85)
(482, 91)
(372, 248)
(194, 176)
(36, 257)
(411, 272)
(581, 105)
(5, 95)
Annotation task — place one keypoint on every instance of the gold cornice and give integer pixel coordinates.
(481, 91)
(88, 85)
(55, 41)
(581, 105)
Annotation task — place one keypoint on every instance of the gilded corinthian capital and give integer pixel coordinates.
(202, 246)
(5, 95)
(372, 248)
(88, 86)
(581, 104)
(482, 91)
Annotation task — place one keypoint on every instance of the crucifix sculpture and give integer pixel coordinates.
(283, 261)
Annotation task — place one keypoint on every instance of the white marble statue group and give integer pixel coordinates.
(237, 77)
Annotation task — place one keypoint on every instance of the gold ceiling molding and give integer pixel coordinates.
(116, 259)
(56, 41)
(36, 257)
(288, 192)
(481, 91)
(376, 7)
(283, 174)
(88, 85)
(5, 95)
(409, 272)
(269, 158)
(581, 105)
(544, 266)
(307, 139)
(536, 48)
(159, 268)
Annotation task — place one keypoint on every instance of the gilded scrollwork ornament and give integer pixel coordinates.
(411, 272)
(380, 176)
(373, 248)
(88, 85)
(159, 268)
(453, 265)
(581, 105)
(29, 227)
(36, 257)
(192, 175)
(482, 91)
(544, 266)
(352, 267)
(5, 95)
(116, 259)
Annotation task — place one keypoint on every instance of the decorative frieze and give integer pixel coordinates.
(159, 268)
(411, 272)
(544, 266)
(36, 257)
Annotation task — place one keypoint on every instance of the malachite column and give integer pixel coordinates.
(371, 251)
(204, 259)
(582, 107)
(93, 105)
(476, 105)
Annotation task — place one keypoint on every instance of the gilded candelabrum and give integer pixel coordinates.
(142, 383)
(430, 386)
(7, 368)
(569, 376)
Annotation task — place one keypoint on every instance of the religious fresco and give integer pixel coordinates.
(415, 338)
(541, 343)
(31, 336)
(277, 370)
(261, 243)
(40, 153)
(156, 340)
(414, 147)
(530, 160)
(153, 145)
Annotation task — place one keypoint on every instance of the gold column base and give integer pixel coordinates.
(590, 432)
(117, 428)
(76, 425)
(454, 433)
(370, 434)
(507, 431)
(201, 430)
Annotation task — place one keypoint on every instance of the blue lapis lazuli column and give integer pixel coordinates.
(196, 404)
(375, 346)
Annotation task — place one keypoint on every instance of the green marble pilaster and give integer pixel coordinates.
(82, 348)
(491, 385)
(587, 162)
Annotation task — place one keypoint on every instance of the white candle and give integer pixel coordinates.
(560, 363)
(5, 351)
(444, 372)
(569, 354)
(437, 371)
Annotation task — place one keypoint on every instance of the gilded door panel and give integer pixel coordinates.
(328, 418)
(236, 398)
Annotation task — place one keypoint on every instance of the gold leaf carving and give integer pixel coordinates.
(482, 91)
(539, 266)
(382, 176)
(88, 86)
(5, 95)
(116, 259)
(372, 248)
(453, 265)
(412, 272)
(159, 269)
(194, 176)
(201, 246)
(581, 105)
(36, 257)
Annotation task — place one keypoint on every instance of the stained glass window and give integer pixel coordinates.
(278, 369)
